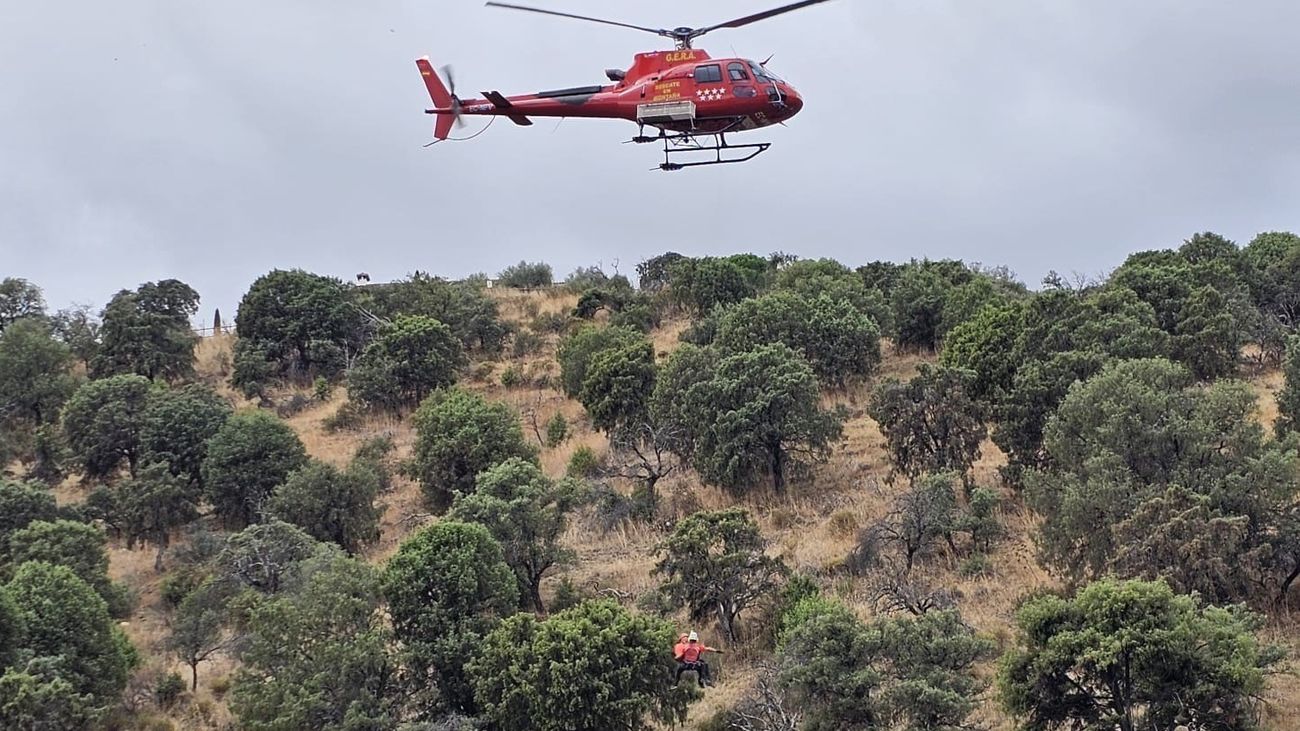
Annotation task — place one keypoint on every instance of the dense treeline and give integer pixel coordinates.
(1166, 507)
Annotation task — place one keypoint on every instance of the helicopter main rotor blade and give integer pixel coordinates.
(525, 8)
(740, 22)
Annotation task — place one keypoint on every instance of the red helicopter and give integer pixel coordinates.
(684, 93)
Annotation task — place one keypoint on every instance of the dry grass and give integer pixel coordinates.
(148, 630)
(810, 527)
(521, 307)
(1267, 386)
(214, 359)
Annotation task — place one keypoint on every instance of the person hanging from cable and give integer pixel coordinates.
(689, 654)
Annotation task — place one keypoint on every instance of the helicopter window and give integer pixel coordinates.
(737, 72)
(761, 73)
(708, 74)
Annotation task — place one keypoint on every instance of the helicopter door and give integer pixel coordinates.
(708, 83)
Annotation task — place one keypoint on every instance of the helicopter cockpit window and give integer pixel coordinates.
(737, 72)
(761, 73)
(708, 74)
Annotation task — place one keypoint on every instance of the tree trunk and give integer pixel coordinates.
(727, 612)
(778, 470)
(157, 560)
(535, 591)
(1286, 585)
(650, 483)
(194, 676)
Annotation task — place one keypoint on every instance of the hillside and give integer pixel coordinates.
(812, 528)
(897, 496)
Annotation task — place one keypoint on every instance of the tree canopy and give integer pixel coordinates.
(617, 386)
(447, 587)
(19, 299)
(578, 350)
(544, 674)
(78, 546)
(458, 436)
(526, 275)
(914, 673)
(153, 505)
(714, 564)
(103, 422)
(526, 513)
(249, 456)
(408, 359)
(757, 414)
(837, 340)
(931, 424)
(813, 279)
(177, 425)
(699, 285)
(1138, 451)
(331, 504)
(35, 373)
(294, 325)
(318, 654)
(1133, 655)
(64, 618)
(148, 332)
(465, 307)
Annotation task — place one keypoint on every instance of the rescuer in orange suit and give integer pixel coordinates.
(689, 654)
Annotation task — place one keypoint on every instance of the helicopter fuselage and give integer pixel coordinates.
(681, 90)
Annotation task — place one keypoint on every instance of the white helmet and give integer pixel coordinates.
(693, 637)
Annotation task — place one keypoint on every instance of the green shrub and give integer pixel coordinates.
(179, 584)
(567, 595)
(804, 610)
(351, 416)
(168, 690)
(292, 406)
(552, 322)
(978, 565)
(643, 317)
(612, 508)
(375, 449)
(511, 377)
(583, 463)
(526, 275)
(557, 430)
(527, 342)
(220, 686)
(322, 389)
(121, 599)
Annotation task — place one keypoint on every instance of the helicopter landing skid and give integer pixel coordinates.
(685, 143)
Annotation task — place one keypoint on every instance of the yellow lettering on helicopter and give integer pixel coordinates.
(667, 91)
(676, 56)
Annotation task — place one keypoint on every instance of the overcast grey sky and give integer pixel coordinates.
(214, 141)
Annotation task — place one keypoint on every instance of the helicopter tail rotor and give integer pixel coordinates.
(445, 104)
(455, 100)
